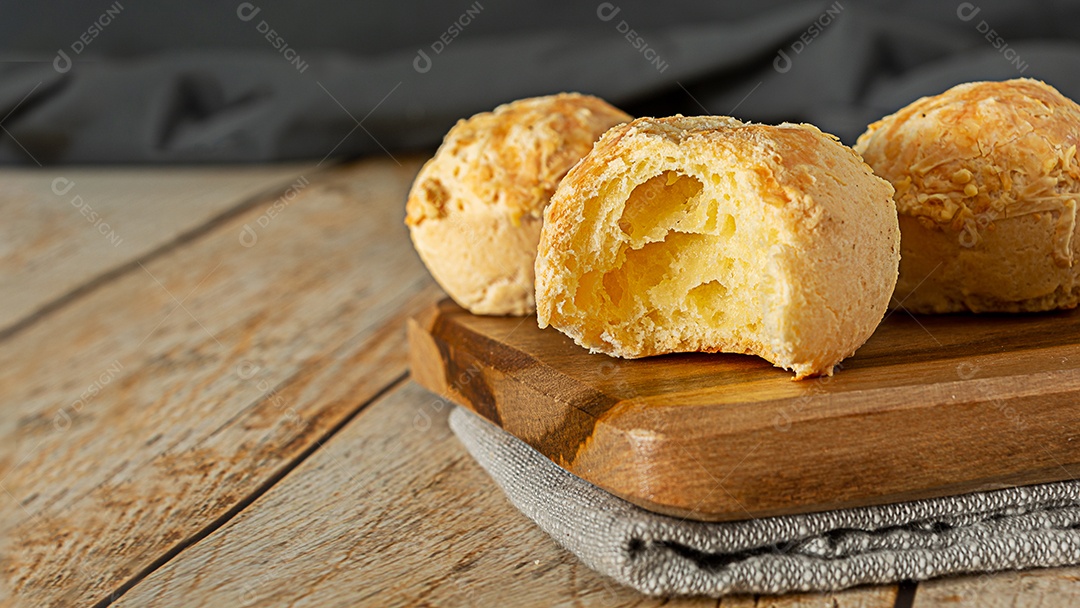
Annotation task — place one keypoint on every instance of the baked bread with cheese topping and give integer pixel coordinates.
(687, 234)
(475, 209)
(987, 184)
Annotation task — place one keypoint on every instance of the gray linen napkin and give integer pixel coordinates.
(661, 555)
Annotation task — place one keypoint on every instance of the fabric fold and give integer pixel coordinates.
(1032, 526)
(273, 82)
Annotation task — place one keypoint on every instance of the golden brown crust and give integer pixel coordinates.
(826, 241)
(976, 163)
(475, 209)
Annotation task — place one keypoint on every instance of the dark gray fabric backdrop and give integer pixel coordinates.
(211, 81)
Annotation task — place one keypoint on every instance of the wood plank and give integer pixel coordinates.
(141, 413)
(391, 512)
(985, 402)
(1026, 589)
(65, 227)
(883, 596)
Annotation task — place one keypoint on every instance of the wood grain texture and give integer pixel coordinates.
(1028, 589)
(928, 407)
(139, 414)
(883, 596)
(126, 429)
(391, 512)
(64, 227)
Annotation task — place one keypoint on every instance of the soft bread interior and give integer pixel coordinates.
(682, 262)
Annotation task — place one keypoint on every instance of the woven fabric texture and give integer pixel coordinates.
(656, 554)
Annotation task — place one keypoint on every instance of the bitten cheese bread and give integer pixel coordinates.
(475, 209)
(707, 234)
(987, 183)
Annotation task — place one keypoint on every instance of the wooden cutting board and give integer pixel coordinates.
(929, 406)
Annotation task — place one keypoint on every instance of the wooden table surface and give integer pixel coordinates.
(204, 401)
